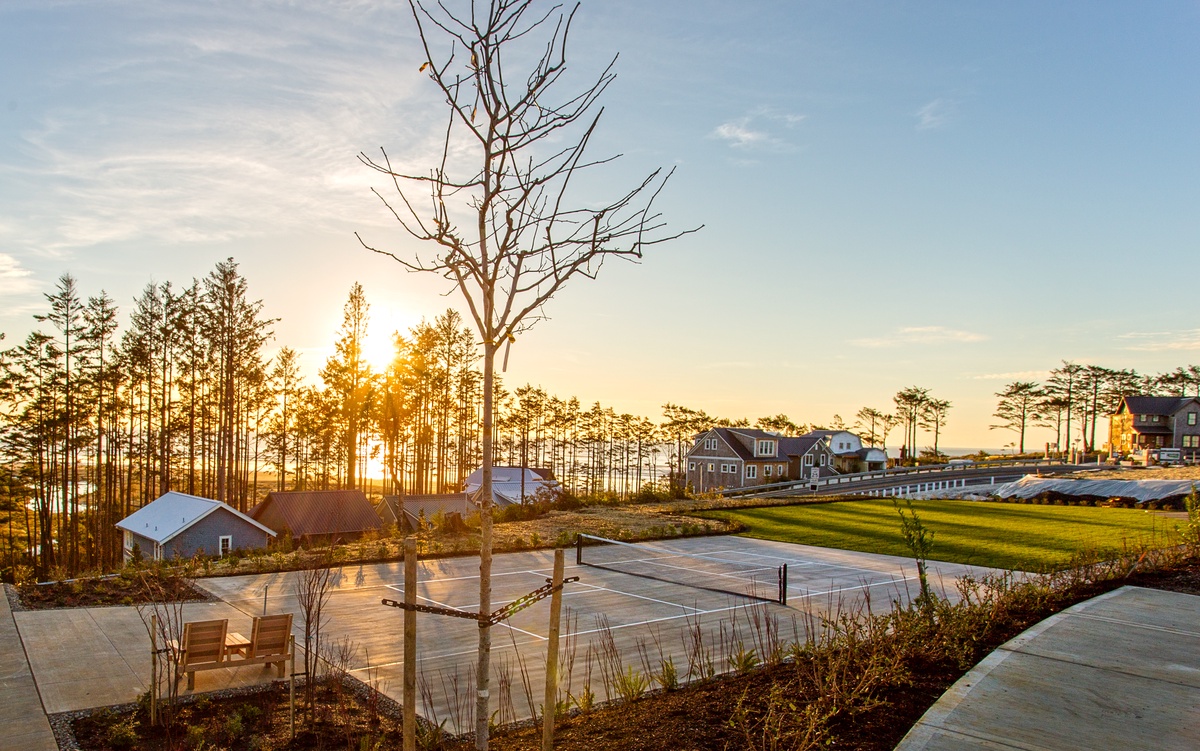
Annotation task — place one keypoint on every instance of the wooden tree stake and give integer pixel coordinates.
(410, 644)
(549, 709)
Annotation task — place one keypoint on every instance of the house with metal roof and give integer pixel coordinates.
(178, 525)
(1143, 423)
(512, 485)
(725, 458)
(407, 512)
(318, 515)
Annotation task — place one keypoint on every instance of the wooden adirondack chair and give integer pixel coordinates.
(270, 642)
(203, 648)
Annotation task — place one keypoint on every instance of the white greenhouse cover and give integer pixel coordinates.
(1139, 490)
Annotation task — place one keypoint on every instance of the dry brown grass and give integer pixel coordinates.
(1141, 473)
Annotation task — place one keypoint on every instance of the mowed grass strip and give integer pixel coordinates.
(1000, 535)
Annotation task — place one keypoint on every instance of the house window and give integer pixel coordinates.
(691, 466)
(751, 471)
(766, 448)
(808, 460)
(779, 469)
(225, 544)
(1154, 418)
(710, 444)
(1141, 418)
(767, 471)
(822, 460)
(1187, 441)
(128, 540)
(710, 466)
(1191, 418)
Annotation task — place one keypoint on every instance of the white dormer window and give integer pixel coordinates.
(1141, 418)
(764, 448)
(1154, 418)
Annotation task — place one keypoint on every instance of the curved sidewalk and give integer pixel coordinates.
(1120, 671)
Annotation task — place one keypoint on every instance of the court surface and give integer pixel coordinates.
(611, 620)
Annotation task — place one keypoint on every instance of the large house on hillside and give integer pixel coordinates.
(849, 453)
(1154, 422)
(746, 457)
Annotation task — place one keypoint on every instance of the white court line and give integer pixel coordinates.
(639, 597)
(802, 562)
(474, 651)
(847, 589)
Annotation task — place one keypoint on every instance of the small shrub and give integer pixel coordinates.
(124, 734)
(194, 737)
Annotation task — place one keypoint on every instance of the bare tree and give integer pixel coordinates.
(313, 587)
(502, 210)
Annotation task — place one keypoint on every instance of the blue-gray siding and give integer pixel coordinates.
(204, 537)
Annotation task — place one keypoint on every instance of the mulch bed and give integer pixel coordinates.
(125, 589)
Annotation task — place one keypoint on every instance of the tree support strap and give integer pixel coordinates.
(495, 616)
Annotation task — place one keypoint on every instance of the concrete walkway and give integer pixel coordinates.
(1120, 671)
(23, 723)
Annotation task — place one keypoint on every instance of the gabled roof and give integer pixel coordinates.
(319, 512)
(799, 446)
(1156, 405)
(171, 513)
(445, 503)
(539, 475)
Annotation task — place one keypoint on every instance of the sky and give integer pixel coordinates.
(942, 194)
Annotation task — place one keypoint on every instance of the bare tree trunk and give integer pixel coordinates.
(483, 671)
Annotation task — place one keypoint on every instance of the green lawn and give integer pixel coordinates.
(1003, 535)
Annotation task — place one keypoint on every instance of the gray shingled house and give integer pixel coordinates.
(178, 525)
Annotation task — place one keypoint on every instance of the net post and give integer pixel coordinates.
(579, 550)
(783, 583)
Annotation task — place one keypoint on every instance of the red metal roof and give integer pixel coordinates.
(317, 512)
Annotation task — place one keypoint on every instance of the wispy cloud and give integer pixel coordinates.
(251, 127)
(920, 335)
(936, 114)
(758, 129)
(14, 280)
(1016, 375)
(1162, 341)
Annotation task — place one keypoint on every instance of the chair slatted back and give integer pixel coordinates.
(270, 635)
(204, 641)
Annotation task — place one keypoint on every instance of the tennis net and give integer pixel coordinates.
(714, 572)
